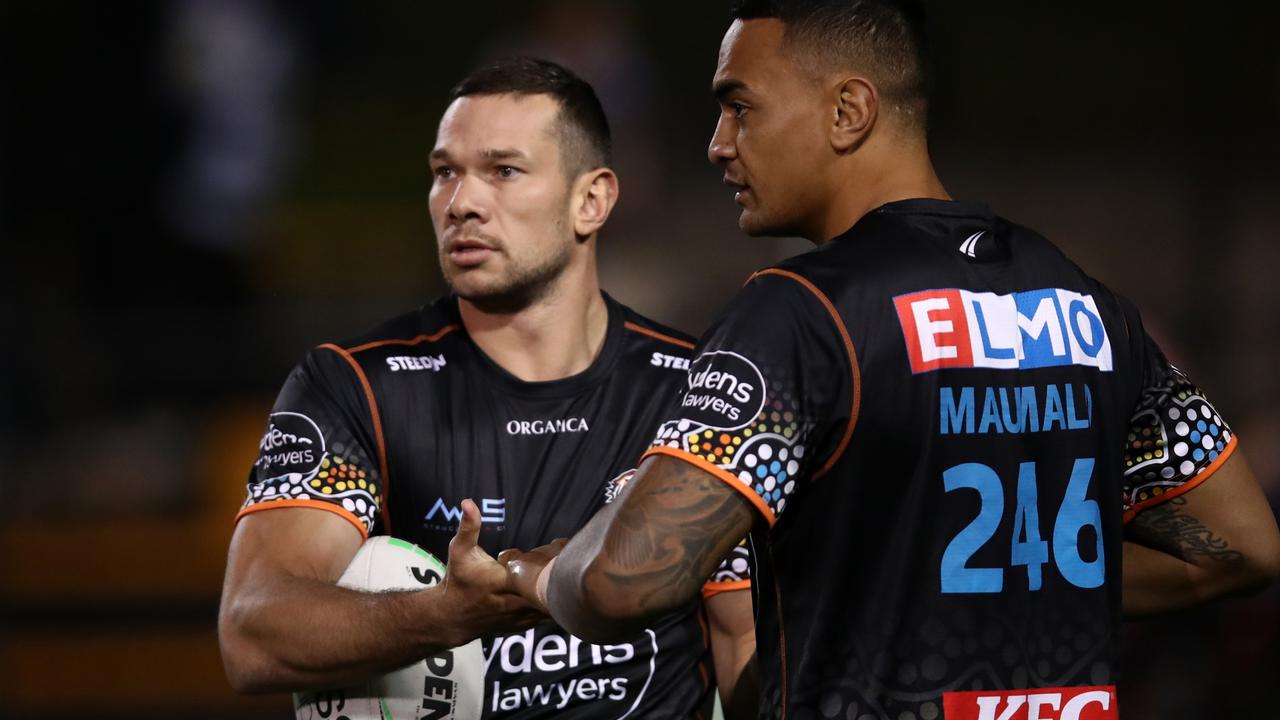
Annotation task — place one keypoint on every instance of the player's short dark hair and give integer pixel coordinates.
(583, 129)
(884, 38)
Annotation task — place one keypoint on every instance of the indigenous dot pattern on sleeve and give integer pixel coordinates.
(340, 478)
(766, 455)
(735, 567)
(1175, 436)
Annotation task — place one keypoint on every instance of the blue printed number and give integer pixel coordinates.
(1032, 552)
(1074, 515)
(1026, 548)
(956, 578)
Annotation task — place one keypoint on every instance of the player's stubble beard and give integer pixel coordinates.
(524, 283)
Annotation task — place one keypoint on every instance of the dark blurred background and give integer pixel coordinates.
(195, 192)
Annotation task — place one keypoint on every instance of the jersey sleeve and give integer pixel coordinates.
(1176, 438)
(733, 572)
(318, 450)
(767, 397)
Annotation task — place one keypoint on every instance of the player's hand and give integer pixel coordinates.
(478, 596)
(525, 567)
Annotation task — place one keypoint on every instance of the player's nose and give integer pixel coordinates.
(722, 148)
(467, 201)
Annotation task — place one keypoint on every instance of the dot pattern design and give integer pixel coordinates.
(340, 479)
(903, 665)
(1175, 435)
(735, 567)
(766, 456)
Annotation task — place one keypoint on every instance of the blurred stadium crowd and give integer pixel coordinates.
(194, 192)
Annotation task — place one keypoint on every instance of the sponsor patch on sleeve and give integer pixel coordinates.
(296, 462)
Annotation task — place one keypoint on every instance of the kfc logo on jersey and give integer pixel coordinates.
(725, 391)
(1032, 329)
(1071, 703)
(292, 448)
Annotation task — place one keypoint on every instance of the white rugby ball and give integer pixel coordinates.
(448, 686)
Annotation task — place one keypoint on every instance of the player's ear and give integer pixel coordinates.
(855, 110)
(594, 195)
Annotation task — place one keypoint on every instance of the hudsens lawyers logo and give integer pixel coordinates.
(292, 447)
(725, 391)
(1033, 329)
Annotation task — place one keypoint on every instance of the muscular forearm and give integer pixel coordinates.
(648, 552)
(589, 608)
(296, 633)
(1155, 582)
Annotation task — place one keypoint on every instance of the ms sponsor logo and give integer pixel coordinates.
(445, 516)
(1032, 329)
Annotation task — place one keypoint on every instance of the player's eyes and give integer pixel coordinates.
(443, 172)
(738, 109)
(507, 172)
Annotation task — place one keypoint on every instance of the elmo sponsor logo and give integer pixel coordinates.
(725, 391)
(1032, 329)
(1070, 703)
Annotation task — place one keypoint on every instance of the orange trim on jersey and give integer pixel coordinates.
(853, 362)
(314, 504)
(715, 588)
(1184, 487)
(411, 341)
(377, 432)
(655, 334)
(719, 472)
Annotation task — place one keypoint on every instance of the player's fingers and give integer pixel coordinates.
(506, 556)
(522, 575)
(468, 534)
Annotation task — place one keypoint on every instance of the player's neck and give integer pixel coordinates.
(885, 174)
(557, 336)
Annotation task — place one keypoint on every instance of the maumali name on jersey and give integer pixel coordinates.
(1026, 409)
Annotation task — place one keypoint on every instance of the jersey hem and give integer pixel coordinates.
(315, 504)
(715, 588)
(720, 473)
(1191, 484)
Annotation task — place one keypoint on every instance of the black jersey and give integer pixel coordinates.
(393, 430)
(944, 423)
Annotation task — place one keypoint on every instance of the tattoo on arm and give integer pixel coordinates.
(1169, 528)
(668, 535)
